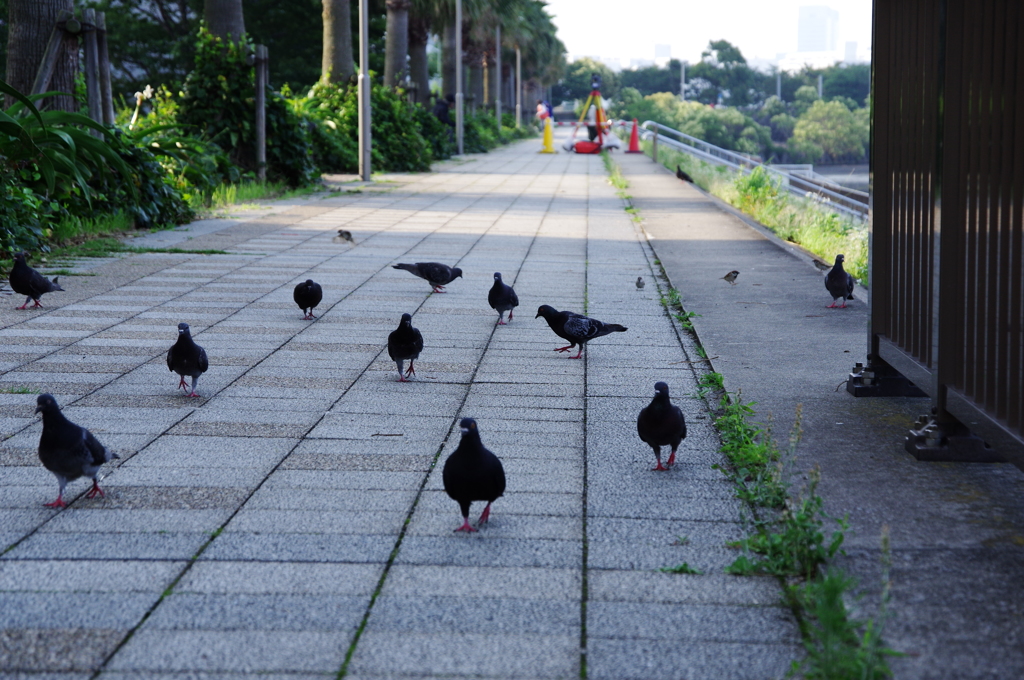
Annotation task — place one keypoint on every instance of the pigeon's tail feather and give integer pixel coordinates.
(407, 267)
(615, 328)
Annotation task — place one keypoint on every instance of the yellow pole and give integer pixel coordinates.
(549, 138)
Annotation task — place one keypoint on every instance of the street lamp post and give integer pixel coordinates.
(519, 87)
(497, 89)
(458, 77)
(365, 138)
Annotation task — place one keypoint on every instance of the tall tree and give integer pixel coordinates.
(397, 41)
(419, 70)
(337, 64)
(31, 22)
(224, 18)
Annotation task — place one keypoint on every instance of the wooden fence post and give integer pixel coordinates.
(92, 68)
(49, 61)
(106, 93)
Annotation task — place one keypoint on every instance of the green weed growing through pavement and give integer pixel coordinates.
(683, 568)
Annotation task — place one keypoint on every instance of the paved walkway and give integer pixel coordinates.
(957, 530)
(292, 522)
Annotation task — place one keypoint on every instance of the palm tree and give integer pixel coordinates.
(337, 65)
(396, 45)
(224, 18)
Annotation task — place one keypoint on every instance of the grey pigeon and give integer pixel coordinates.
(661, 424)
(839, 283)
(344, 235)
(640, 283)
(405, 342)
(731, 277)
(472, 473)
(502, 298)
(576, 328)
(185, 357)
(30, 283)
(307, 296)
(68, 450)
(436, 274)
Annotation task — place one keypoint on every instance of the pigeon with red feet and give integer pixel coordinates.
(30, 283)
(661, 424)
(185, 357)
(576, 328)
(502, 298)
(307, 296)
(472, 473)
(68, 450)
(405, 342)
(839, 283)
(436, 274)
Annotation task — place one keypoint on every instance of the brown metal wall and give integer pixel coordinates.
(947, 277)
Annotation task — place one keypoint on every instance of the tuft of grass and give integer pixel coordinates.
(67, 272)
(71, 228)
(18, 389)
(683, 568)
(685, 320)
(107, 246)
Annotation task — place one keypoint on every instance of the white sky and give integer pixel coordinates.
(760, 28)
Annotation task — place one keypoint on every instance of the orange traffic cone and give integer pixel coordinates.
(634, 139)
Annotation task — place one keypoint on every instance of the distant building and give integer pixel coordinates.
(817, 29)
(662, 55)
(640, 63)
(850, 55)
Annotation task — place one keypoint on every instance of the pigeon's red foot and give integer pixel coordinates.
(401, 378)
(95, 490)
(59, 503)
(564, 349)
(831, 306)
(23, 306)
(485, 515)
(193, 395)
(411, 370)
(671, 459)
(660, 467)
(37, 304)
(510, 315)
(842, 306)
(439, 289)
(182, 384)
(501, 323)
(580, 355)
(465, 527)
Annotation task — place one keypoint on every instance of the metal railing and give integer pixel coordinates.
(799, 182)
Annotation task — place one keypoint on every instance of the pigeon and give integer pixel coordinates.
(436, 274)
(640, 283)
(731, 277)
(307, 296)
(682, 175)
(405, 342)
(660, 423)
(30, 283)
(68, 450)
(839, 283)
(472, 473)
(576, 328)
(344, 235)
(502, 298)
(185, 357)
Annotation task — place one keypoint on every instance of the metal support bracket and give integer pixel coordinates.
(932, 440)
(880, 380)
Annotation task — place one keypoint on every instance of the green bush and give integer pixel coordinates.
(437, 134)
(218, 102)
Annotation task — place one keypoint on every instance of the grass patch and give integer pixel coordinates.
(20, 389)
(793, 539)
(107, 246)
(71, 228)
(67, 272)
(683, 568)
(800, 220)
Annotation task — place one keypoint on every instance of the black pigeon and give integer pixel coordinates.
(405, 342)
(307, 296)
(472, 473)
(69, 451)
(344, 235)
(436, 274)
(576, 328)
(839, 283)
(185, 357)
(502, 298)
(682, 175)
(640, 283)
(30, 283)
(660, 424)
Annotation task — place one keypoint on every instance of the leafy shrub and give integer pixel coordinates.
(218, 102)
(21, 210)
(437, 134)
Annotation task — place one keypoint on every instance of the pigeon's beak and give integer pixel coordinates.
(38, 409)
(465, 430)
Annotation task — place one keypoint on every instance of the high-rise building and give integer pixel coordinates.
(851, 53)
(662, 55)
(817, 29)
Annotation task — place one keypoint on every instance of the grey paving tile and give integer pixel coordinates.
(663, 660)
(75, 610)
(109, 546)
(300, 547)
(317, 612)
(30, 651)
(281, 577)
(111, 576)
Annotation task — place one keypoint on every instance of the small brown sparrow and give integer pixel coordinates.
(731, 277)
